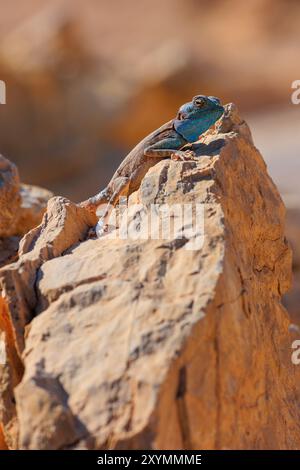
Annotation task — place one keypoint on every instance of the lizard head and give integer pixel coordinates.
(200, 106)
(197, 116)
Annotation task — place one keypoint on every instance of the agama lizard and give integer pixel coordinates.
(192, 120)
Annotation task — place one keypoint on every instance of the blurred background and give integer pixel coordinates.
(87, 79)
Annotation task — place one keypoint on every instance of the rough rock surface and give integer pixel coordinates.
(134, 343)
(10, 198)
(21, 208)
(33, 205)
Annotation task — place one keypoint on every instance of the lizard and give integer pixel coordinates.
(193, 119)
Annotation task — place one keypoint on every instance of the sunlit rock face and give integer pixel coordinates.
(142, 343)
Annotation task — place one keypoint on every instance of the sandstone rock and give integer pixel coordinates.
(63, 226)
(21, 205)
(10, 199)
(33, 205)
(144, 343)
(21, 208)
(10, 209)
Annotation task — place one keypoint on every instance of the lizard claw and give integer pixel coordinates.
(183, 156)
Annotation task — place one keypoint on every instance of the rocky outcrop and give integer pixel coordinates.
(33, 205)
(135, 342)
(10, 198)
(21, 208)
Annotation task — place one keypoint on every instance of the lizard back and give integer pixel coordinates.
(136, 156)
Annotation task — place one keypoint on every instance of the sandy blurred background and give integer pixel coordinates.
(86, 79)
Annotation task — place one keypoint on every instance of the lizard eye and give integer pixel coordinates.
(199, 102)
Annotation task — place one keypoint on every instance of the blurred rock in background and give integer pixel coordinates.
(22, 207)
(87, 79)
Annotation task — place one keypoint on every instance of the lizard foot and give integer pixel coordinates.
(183, 156)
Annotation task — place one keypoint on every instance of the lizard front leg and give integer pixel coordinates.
(170, 147)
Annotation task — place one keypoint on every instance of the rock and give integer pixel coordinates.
(10, 199)
(33, 205)
(21, 208)
(140, 343)
(64, 225)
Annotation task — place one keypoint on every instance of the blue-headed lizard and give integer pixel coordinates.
(192, 120)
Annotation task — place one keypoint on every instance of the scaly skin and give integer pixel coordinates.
(193, 119)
